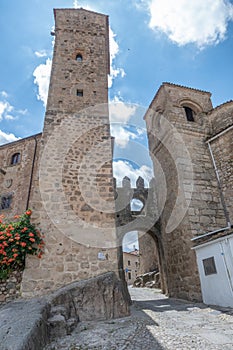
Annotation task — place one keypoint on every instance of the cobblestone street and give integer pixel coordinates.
(156, 322)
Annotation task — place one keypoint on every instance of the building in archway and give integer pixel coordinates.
(131, 262)
(65, 173)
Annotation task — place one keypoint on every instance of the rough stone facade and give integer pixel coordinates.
(149, 258)
(16, 173)
(73, 201)
(65, 174)
(193, 203)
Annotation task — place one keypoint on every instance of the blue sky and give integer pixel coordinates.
(152, 41)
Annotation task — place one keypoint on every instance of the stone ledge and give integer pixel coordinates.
(31, 324)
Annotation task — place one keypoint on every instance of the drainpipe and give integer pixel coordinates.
(32, 171)
(229, 226)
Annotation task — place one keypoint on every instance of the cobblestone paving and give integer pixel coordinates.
(156, 323)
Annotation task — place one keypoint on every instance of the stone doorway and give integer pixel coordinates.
(141, 260)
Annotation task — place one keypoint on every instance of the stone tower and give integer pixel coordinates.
(190, 203)
(73, 199)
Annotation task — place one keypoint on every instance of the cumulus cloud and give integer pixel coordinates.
(120, 111)
(75, 4)
(114, 51)
(41, 53)
(199, 22)
(6, 138)
(123, 168)
(42, 77)
(122, 135)
(5, 109)
(4, 94)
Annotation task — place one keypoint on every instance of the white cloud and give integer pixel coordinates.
(6, 138)
(120, 111)
(5, 108)
(199, 22)
(122, 135)
(22, 111)
(123, 168)
(4, 94)
(41, 53)
(114, 51)
(10, 117)
(75, 4)
(42, 77)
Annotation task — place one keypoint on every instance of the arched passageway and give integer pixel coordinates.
(141, 253)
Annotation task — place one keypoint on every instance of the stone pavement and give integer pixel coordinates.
(156, 322)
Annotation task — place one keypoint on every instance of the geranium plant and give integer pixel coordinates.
(17, 239)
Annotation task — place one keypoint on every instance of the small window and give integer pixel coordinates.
(129, 275)
(189, 114)
(128, 262)
(209, 266)
(15, 158)
(6, 202)
(79, 57)
(80, 93)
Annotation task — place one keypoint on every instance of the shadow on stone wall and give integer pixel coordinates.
(31, 324)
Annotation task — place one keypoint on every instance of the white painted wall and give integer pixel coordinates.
(217, 289)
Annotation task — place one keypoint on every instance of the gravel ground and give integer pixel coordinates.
(156, 322)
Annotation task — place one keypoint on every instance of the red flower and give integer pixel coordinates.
(23, 244)
(28, 212)
(31, 234)
(32, 239)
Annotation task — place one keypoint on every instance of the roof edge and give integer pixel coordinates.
(20, 140)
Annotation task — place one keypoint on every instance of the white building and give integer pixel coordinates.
(215, 264)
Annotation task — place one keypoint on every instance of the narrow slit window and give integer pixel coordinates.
(79, 92)
(15, 158)
(189, 114)
(79, 57)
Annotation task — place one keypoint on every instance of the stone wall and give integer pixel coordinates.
(149, 259)
(10, 287)
(222, 148)
(193, 204)
(16, 179)
(32, 324)
(73, 200)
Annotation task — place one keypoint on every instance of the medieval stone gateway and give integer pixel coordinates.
(68, 180)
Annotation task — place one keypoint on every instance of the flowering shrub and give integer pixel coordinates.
(17, 239)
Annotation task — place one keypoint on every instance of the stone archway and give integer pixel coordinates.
(145, 221)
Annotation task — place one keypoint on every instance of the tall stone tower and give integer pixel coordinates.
(178, 125)
(73, 200)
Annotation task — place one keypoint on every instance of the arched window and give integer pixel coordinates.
(15, 158)
(189, 114)
(79, 57)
